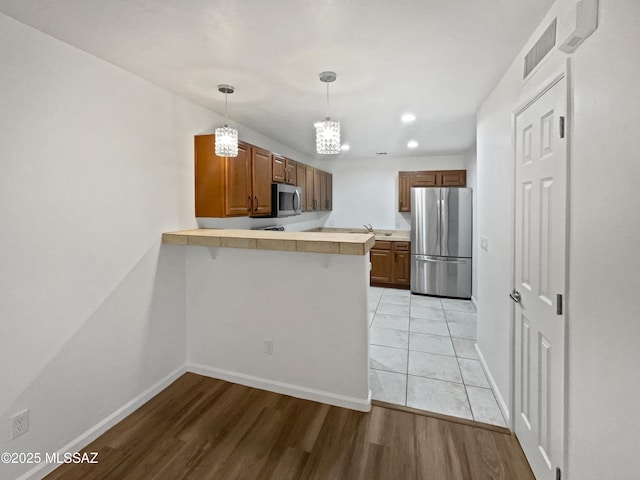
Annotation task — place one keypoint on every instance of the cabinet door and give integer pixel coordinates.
(301, 180)
(310, 175)
(329, 191)
(209, 178)
(238, 183)
(317, 187)
(381, 265)
(404, 191)
(452, 178)
(401, 263)
(323, 191)
(424, 179)
(290, 172)
(261, 182)
(278, 168)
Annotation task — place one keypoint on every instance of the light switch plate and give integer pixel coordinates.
(484, 242)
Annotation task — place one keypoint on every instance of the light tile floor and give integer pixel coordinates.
(422, 355)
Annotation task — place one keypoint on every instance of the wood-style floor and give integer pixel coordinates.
(202, 428)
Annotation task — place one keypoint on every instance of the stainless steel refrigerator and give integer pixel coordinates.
(441, 222)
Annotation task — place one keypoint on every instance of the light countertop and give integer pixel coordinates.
(388, 235)
(313, 242)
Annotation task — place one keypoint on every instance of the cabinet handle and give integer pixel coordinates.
(249, 203)
(256, 208)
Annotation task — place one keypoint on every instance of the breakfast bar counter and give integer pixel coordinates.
(277, 310)
(310, 242)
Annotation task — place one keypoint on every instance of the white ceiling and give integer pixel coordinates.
(435, 58)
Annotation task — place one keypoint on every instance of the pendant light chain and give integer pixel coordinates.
(226, 107)
(327, 100)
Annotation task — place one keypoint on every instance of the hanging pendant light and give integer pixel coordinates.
(327, 132)
(226, 137)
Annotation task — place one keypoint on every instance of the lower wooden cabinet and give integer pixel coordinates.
(390, 264)
(381, 257)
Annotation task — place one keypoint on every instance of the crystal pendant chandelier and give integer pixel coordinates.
(226, 137)
(327, 132)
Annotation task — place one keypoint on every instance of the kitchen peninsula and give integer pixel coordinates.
(280, 311)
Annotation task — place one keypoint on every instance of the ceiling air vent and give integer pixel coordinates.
(381, 153)
(543, 46)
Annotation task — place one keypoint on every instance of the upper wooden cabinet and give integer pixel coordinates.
(278, 168)
(426, 178)
(301, 181)
(318, 192)
(404, 191)
(241, 186)
(284, 170)
(290, 172)
(308, 185)
(260, 184)
(328, 191)
(238, 191)
(452, 178)
(231, 186)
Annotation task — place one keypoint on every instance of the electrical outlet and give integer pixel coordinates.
(19, 424)
(268, 347)
(484, 242)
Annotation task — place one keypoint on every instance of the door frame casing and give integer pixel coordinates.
(531, 93)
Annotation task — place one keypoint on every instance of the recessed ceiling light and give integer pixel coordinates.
(412, 144)
(408, 117)
(345, 147)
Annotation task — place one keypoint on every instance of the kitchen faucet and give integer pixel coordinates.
(368, 227)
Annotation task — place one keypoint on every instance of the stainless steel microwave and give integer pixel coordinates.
(286, 200)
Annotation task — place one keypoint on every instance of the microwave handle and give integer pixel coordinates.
(296, 204)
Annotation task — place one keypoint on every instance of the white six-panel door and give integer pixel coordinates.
(540, 211)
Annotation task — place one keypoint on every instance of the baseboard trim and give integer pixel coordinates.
(474, 302)
(494, 386)
(353, 403)
(94, 432)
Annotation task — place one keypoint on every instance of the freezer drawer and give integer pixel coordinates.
(442, 276)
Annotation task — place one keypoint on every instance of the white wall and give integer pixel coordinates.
(602, 312)
(96, 164)
(240, 298)
(471, 166)
(366, 190)
(297, 223)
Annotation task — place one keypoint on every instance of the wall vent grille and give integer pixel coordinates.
(543, 46)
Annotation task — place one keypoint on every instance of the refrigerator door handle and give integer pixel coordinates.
(439, 220)
(444, 221)
(440, 260)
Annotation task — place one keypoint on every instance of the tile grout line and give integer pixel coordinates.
(406, 383)
(459, 369)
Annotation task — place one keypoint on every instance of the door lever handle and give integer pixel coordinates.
(515, 296)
